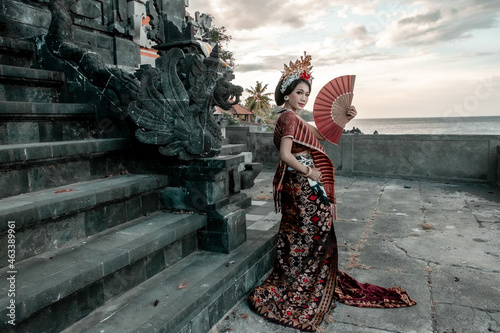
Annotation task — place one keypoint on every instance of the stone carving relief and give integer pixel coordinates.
(172, 104)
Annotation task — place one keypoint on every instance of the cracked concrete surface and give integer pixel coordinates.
(440, 242)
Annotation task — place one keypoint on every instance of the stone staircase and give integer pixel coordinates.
(94, 236)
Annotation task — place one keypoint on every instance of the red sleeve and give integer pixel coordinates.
(287, 123)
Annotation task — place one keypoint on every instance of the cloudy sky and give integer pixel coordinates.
(411, 58)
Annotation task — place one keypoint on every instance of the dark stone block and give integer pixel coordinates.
(81, 147)
(112, 194)
(9, 154)
(22, 217)
(237, 231)
(98, 166)
(50, 131)
(145, 185)
(213, 241)
(66, 284)
(4, 137)
(49, 236)
(149, 203)
(242, 200)
(95, 221)
(111, 164)
(231, 233)
(189, 244)
(127, 52)
(58, 206)
(34, 152)
(116, 214)
(173, 198)
(173, 253)
(94, 41)
(239, 285)
(64, 312)
(234, 181)
(23, 132)
(229, 298)
(13, 182)
(155, 263)
(214, 313)
(28, 93)
(201, 322)
(123, 280)
(185, 329)
(224, 220)
(59, 174)
(248, 175)
(134, 208)
(76, 130)
(18, 12)
(202, 194)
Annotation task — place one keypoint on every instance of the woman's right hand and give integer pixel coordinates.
(315, 174)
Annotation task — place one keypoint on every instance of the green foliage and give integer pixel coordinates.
(219, 36)
(259, 101)
(232, 120)
(306, 115)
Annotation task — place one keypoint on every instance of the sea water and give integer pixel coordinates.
(489, 125)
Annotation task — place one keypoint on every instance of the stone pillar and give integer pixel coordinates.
(211, 186)
(177, 32)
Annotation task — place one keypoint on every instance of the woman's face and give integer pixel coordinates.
(297, 100)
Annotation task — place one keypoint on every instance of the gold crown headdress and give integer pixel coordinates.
(301, 69)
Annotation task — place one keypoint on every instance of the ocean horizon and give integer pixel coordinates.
(487, 125)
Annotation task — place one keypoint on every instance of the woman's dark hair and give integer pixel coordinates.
(279, 97)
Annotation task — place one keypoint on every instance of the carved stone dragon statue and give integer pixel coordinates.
(171, 104)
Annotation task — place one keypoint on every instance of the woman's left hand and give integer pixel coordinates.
(351, 112)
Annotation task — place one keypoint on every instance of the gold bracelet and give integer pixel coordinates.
(309, 171)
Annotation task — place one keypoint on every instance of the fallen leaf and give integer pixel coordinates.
(62, 191)
(183, 284)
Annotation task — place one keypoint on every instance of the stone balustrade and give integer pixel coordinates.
(457, 158)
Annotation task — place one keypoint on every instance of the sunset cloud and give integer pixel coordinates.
(417, 41)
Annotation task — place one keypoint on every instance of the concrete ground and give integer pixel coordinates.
(439, 241)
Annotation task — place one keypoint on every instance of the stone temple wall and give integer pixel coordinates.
(436, 157)
(104, 27)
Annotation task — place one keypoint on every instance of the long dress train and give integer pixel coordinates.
(305, 278)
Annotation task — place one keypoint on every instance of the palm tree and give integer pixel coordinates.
(259, 101)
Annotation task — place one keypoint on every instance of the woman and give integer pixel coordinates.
(305, 278)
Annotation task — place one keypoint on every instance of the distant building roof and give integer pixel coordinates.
(236, 109)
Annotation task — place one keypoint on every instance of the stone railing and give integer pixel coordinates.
(498, 166)
(462, 158)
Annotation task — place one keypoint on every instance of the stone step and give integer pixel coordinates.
(48, 219)
(45, 110)
(22, 122)
(32, 167)
(48, 150)
(233, 149)
(15, 52)
(190, 296)
(39, 77)
(248, 169)
(76, 280)
(25, 19)
(22, 84)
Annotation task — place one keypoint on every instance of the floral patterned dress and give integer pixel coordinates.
(305, 278)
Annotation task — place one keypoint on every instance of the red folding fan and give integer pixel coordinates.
(330, 107)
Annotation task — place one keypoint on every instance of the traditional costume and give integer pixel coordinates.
(305, 279)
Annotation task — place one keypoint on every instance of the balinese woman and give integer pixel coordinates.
(305, 279)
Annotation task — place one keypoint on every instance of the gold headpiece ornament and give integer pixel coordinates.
(301, 69)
